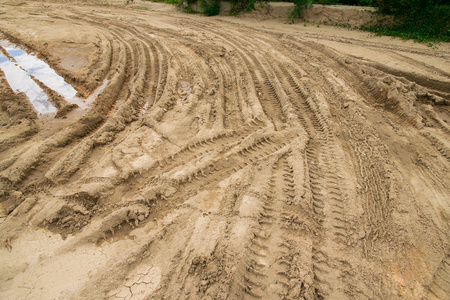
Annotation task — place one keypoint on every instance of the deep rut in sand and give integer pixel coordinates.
(220, 160)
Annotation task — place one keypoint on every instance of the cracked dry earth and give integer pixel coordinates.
(223, 158)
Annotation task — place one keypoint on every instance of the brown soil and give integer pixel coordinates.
(226, 158)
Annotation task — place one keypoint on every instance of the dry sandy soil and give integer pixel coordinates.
(226, 158)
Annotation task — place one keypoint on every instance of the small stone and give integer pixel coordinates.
(308, 280)
(439, 101)
(361, 234)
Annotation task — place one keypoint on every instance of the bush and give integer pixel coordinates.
(422, 20)
(186, 6)
(346, 2)
(210, 7)
(238, 6)
(175, 2)
(299, 6)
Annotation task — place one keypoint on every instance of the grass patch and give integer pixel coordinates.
(426, 21)
(429, 24)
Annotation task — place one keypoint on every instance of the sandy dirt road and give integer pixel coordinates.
(223, 158)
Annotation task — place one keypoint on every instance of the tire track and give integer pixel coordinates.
(266, 267)
(264, 88)
(270, 178)
(317, 126)
(440, 286)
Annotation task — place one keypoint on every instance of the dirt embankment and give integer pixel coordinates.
(223, 158)
(317, 14)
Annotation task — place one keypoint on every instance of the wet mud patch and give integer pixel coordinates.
(71, 59)
(261, 161)
(26, 73)
(17, 117)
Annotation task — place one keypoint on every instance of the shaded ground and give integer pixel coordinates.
(225, 158)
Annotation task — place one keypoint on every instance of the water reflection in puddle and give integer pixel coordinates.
(20, 81)
(18, 69)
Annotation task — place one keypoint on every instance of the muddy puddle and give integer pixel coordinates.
(21, 67)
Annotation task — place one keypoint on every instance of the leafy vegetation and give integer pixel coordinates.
(210, 7)
(238, 6)
(338, 2)
(421, 20)
(207, 7)
(174, 2)
(299, 6)
(347, 2)
(186, 6)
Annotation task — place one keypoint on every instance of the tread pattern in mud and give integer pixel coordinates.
(237, 164)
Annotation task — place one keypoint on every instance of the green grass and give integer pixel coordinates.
(209, 7)
(426, 21)
(429, 25)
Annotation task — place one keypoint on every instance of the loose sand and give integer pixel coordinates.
(223, 158)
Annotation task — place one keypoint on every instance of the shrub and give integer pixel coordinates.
(186, 6)
(348, 2)
(210, 7)
(422, 20)
(299, 6)
(238, 6)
